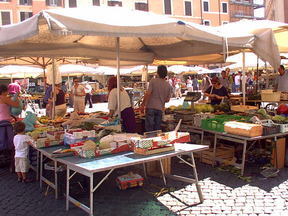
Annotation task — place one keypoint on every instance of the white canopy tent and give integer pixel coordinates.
(95, 33)
(14, 71)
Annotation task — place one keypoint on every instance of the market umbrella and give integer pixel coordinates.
(16, 71)
(95, 33)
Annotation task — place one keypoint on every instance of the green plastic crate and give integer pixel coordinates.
(217, 123)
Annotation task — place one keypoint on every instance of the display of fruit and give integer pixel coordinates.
(282, 109)
(203, 108)
(43, 119)
(279, 119)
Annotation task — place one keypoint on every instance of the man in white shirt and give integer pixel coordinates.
(282, 80)
(88, 96)
(237, 81)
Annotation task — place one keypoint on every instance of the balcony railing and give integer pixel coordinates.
(247, 3)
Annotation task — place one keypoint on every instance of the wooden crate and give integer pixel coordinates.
(154, 169)
(223, 152)
(280, 148)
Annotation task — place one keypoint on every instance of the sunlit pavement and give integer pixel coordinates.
(224, 194)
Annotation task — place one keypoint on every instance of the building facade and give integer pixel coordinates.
(14, 11)
(206, 12)
(276, 10)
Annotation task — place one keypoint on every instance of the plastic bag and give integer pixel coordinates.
(30, 121)
(16, 110)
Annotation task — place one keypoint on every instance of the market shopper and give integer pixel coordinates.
(88, 96)
(6, 129)
(195, 83)
(281, 82)
(126, 110)
(189, 84)
(14, 88)
(237, 81)
(205, 84)
(21, 143)
(78, 93)
(60, 101)
(224, 80)
(216, 93)
(159, 93)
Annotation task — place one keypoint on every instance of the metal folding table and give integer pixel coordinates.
(47, 152)
(109, 163)
(242, 140)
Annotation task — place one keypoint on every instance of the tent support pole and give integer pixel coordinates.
(53, 88)
(243, 79)
(257, 72)
(11, 79)
(44, 77)
(118, 75)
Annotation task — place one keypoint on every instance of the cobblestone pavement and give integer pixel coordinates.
(224, 194)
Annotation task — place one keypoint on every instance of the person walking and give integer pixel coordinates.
(159, 93)
(88, 96)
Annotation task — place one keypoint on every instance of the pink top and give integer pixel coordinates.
(5, 112)
(14, 88)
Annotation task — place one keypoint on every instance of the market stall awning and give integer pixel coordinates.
(90, 33)
(270, 37)
(14, 71)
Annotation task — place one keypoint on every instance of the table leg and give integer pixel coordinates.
(162, 170)
(196, 179)
(67, 188)
(37, 166)
(145, 171)
(56, 179)
(202, 137)
(214, 150)
(41, 169)
(243, 158)
(91, 194)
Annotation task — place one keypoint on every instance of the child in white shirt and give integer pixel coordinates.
(21, 143)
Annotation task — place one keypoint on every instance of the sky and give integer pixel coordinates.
(261, 11)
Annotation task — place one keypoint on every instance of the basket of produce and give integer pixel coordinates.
(243, 108)
(243, 129)
(269, 127)
(270, 96)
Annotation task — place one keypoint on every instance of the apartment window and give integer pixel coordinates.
(207, 22)
(5, 0)
(54, 3)
(141, 6)
(5, 18)
(167, 7)
(115, 3)
(25, 2)
(206, 6)
(25, 15)
(96, 2)
(224, 7)
(188, 8)
(72, 3)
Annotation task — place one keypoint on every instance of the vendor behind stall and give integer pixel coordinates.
(216, 92)
(282, 80)
(60, 101)
(127, 112)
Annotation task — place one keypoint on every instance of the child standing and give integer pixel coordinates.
(21, 143)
